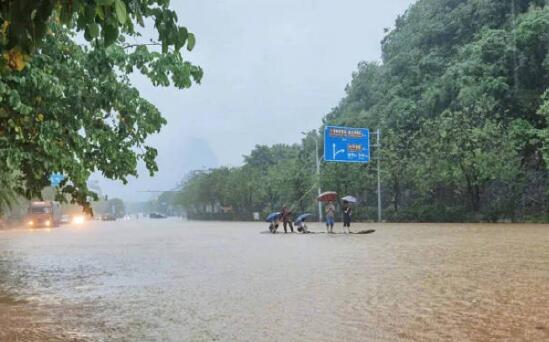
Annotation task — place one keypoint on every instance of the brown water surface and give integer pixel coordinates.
(169, 280)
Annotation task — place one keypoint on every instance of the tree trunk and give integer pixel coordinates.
(396, 193)
(474, 195)
(473, 189)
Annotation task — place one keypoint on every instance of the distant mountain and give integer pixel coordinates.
(174, 162)
(195, 154)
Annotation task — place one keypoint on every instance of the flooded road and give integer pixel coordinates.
(169, 280)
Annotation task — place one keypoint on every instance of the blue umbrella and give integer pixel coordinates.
(302, 217)
(272, 217)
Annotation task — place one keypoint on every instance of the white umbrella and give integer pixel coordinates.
(350, 199)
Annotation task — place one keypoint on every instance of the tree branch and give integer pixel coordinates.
(129, 46)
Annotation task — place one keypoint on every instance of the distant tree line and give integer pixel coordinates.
(462, 99)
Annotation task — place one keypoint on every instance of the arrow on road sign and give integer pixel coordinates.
(337, 152)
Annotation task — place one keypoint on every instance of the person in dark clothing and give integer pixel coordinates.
(273, 226)
(286, 218)
(347, 212)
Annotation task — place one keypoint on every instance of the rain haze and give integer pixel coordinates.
(272, 70)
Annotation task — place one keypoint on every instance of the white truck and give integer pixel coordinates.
(44, 214)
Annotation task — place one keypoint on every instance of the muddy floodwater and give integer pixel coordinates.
(171, 280)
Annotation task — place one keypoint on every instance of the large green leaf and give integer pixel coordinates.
(191, 41)
(110, 34)
(92, 30)
(121, 12)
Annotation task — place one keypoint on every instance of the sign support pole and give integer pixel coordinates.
(378, 152)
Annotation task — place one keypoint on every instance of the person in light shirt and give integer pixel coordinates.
(330, 214)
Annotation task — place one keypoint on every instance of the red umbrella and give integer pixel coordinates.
(328, 196)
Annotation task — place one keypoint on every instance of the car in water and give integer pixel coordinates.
(157, 216)
(108, 217)
(44, 214)
(65, 219)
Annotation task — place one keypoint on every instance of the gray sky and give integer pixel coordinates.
(273, 68)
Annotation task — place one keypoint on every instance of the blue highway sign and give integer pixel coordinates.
(56, 178)
(346, 144)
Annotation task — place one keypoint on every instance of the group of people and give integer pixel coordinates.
(330, 210)
(285, 218)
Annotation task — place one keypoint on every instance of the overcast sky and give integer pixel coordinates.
(273, 68)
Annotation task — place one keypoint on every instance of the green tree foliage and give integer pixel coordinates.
(462, 99)
(72, 109)
(25, 23)
(460, 85)
(270, 178)
(8, 195)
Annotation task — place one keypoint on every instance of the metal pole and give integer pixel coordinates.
(318, 180)
(378, 152)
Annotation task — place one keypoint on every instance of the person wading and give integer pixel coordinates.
(330, 213)
(347, 212)
(286, 218)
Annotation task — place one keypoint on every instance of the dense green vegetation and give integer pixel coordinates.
(69, 107)
(462, 99)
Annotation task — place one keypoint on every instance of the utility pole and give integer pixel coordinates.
(318, 180)
(378, 154)
(317, 160)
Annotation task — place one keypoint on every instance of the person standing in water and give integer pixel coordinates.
(330, 213)
(286, 218)
(347, 212)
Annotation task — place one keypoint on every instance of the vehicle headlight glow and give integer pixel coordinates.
(47, 223)
(31, 223)
(78, 219)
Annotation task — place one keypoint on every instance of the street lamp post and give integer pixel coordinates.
(378, 152)
(317, 160)
(318, 180)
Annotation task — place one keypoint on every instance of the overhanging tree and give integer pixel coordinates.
(71, 108)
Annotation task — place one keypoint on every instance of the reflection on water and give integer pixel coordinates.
(170, 280)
